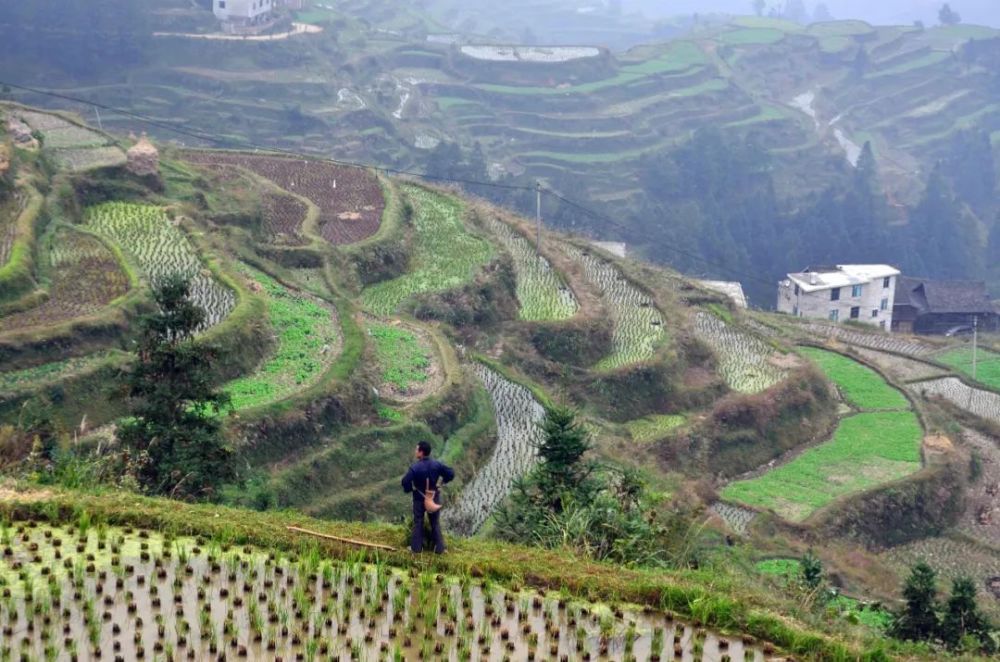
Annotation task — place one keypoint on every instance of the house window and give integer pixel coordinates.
(835, 294)
(881, 325)
(884, 305)
(875, 313)
(856, 291)
(222, 4)
(834, 315)
(796, 289)
(886, 282)
(855, 312)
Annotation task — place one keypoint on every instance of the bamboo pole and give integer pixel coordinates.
(343, 540)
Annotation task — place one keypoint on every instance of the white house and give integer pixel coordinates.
(238, 15)
(860, 292)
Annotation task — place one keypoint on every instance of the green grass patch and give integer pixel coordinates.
(401, 358)
(752, 36)
(787, 568)
(840, 29)
(927, 60)
(861, 386)
(867, 450)
(680, 56)
(444, 254)
(307, 340)
(835, 44)
(856, 612)
(652, 428)
(48, 373)
(987, 364)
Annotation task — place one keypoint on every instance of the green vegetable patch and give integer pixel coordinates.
(403, 360)
(867, 450)
(987, 364)
(307, 343)
(862, 387)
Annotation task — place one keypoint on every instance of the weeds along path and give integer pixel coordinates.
(84, 278)
(877, 443)
(161, 249)
(308, 338)
(638, 324)
(444, 255)
(541, 291)
(746, 363)
(350, 200)
(517, 414)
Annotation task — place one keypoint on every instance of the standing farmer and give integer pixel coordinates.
(424, 475)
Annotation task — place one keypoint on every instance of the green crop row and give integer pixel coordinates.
(862, 387)
(444, 254)
(652, 428)
(540, 291)
(308, 341)
(161, 249)
(867, 450)
(401, 359)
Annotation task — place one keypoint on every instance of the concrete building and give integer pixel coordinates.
(239, 16)
(859, 292)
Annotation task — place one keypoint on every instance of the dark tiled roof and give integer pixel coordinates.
(943, 296)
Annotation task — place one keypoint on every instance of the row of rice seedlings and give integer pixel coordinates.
(744, 360)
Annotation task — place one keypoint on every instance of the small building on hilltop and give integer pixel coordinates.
(859, 292)
(244, 16)
(939, 306)
(143, 159)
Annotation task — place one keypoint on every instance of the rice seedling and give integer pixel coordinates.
(745, 362)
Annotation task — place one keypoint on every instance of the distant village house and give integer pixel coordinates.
(863, 293)
(942, 306)
(245, 16)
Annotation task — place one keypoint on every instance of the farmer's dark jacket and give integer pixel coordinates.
(421, 471)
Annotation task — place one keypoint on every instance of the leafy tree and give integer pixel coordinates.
(812, 571)
(918, 620)
(759, 6)
(948, 16)
(962, 617)
(174, 438)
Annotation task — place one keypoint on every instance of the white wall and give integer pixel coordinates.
(817, 305)
(241, 9)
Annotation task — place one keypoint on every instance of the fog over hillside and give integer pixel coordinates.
(986, 12)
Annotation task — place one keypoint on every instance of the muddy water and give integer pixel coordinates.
(146, 598)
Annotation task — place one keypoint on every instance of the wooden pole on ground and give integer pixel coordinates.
(347, 541)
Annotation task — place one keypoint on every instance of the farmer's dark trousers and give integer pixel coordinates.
(417, 543)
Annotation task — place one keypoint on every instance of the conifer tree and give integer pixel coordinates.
(962, 617)
(919, 620)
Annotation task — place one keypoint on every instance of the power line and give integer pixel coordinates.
(222, 142)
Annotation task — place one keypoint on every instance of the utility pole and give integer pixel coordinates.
(100, 125)
(538, 217)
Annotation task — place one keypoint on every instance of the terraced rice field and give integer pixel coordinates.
(444, 255)
(74, 147)
(987, 364)
(517, 416)
(979, 402)
(652, 428)
(85, 277)
(738, 519)
(160, 249)
(861, 387)
(899, 368)
(638, 323)
(349, 199)
(542, 293)
(866, 450)
(136, 594)
(953, 558)
(405, 360)
(308, 341)
(880, 341)
(746, 363)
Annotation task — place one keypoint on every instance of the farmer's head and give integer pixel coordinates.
(423, 450)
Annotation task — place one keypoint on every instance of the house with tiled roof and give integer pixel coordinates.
(937, 306)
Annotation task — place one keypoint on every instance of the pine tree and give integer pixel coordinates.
(918, 620)
(174, 437)
(812, 571)
(562, 470)
(948, 16)
(962, 617)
